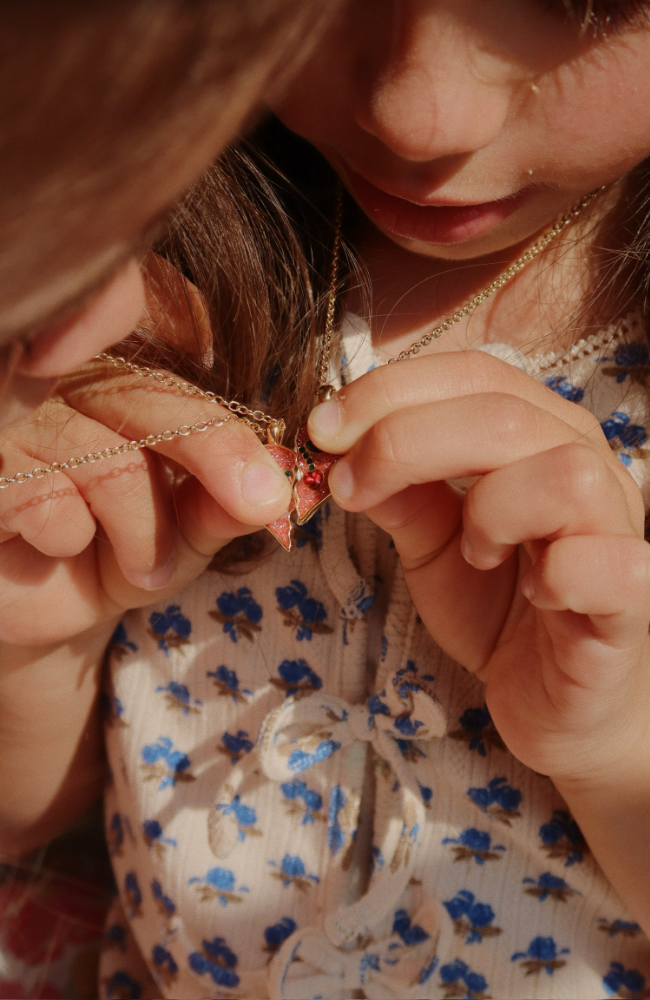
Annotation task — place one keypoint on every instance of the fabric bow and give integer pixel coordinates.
(309, 966)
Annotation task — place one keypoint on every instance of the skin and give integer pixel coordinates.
(541, 574)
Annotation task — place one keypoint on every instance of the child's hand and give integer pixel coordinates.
(83, 546)
(539, 580)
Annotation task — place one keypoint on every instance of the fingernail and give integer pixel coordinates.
(468, 552)
(263, 484)
(160, 577)
(341, 481)
(528, 587)
(325, 419)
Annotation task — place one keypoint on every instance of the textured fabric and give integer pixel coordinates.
(309, 799)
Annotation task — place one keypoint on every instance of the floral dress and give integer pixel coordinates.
(309, 799)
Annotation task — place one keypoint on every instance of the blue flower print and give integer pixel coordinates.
(478, 731)
(302, 801)
(311, 533)
(407, 679)
(296, 679)
(165, 906)
(220, 884)
(562, 838)
(428, 970)
(335, 832)
(561, 385)
(498, 800)
(427, 794)
(122, 986)
(300, 760)
(119, 645)
(292, 872)
(245, 817)
(170, 628)
(472, 920)
(630, 360)
(133, 895)
(409, 751)
(235, 747)
(164, 764)
(300, 612)
(115, 937)
(238, 614)
(218, 961)
(112, 709)
(277, 934)
(411, 934)
(549, 886)
(227, 684)
(164, 964)
(542, 953)
(115, 836)
(357, 605)
(625, 438)
(154, 836)
(625, 983)
(178, 698)
(458, 981)
(377, 861)
(475, 844)
(626, 928)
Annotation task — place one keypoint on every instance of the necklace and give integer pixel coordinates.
(305, 466)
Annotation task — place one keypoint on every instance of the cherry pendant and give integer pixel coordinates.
(311, 488)
(308, 470)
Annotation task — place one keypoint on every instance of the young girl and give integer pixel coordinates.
(410, 757)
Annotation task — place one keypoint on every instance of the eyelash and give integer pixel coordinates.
(608, 16)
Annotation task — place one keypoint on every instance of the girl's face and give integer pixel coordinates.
(461, 127)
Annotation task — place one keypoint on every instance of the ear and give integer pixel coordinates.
(176, 312)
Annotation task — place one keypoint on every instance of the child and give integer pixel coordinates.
(410, 757)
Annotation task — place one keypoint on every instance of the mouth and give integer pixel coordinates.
(430, 223)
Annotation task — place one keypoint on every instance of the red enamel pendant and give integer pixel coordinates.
(308, 469)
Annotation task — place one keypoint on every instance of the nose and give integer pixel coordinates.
(437, 94)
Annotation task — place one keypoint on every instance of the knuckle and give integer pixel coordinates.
(581, 473)
(382, 441)
(483, 371)
(508, 419)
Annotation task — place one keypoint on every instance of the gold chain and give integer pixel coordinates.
(502, 280)
(260, 422)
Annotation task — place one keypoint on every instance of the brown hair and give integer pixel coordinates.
(92, 91)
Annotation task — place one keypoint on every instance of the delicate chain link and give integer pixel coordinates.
(97, 456)
(257, 420)
(499, 282)
(328, 336)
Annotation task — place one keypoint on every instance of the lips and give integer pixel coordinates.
(429, 223)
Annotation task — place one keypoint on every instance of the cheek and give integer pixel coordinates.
(596, 117)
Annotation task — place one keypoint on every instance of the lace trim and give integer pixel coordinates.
(627, 329)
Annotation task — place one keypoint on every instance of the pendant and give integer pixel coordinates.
(308, 469)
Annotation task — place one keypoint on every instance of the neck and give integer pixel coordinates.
(553, 302)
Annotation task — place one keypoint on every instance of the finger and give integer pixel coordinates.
(204, 524)
(23, 570)
(568, 490)
(606, 577)
(453, 438)
(229, 460)
(336, 425)
(46, 510)
(128, 494)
